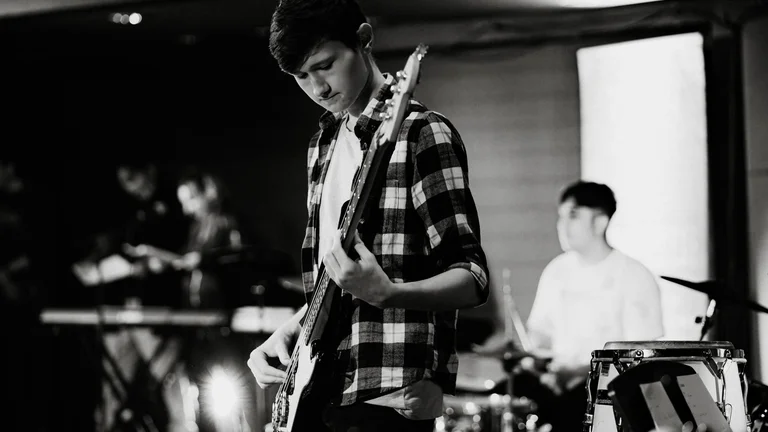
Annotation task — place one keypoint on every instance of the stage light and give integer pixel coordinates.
(121, 18)
(223, 393)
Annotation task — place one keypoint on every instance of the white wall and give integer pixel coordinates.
(644, 134)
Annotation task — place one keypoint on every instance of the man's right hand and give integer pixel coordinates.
(276, 347)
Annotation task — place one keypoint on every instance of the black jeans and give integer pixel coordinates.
(363, 417)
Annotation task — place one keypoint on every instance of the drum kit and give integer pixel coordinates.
(716, 368)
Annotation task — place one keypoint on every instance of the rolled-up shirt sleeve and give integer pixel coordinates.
(442, 198)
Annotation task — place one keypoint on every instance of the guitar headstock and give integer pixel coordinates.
(402, 90)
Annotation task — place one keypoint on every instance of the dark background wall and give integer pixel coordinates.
(80, 105)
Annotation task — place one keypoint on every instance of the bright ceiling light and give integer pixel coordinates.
(121, 18)
(600, 3)
(134, 18)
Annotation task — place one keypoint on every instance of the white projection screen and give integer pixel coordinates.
(644, 134)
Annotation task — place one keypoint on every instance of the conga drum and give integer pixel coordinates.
(719, 365)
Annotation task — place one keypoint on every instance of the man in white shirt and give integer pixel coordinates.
(588, 295)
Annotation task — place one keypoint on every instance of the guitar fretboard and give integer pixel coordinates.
(321, 287)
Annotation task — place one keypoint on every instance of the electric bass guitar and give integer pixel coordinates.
(296, 404)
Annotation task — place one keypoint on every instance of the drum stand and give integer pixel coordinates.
(513, 325)
(511, 359)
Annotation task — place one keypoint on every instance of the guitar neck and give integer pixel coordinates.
(369, 179)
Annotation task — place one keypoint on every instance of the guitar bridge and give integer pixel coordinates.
(280, 413)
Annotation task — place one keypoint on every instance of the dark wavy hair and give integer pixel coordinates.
(299, 26)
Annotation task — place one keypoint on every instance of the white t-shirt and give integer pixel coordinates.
(346, 157)
(579, 307)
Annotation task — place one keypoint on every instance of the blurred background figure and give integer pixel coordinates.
(17, 284)
(214, 236)
(148, 214)
(590, 294)
(21, 296)
(208, 263)
(211, 246)
(154, 215)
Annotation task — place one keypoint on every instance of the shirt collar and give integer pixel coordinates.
(369, 120)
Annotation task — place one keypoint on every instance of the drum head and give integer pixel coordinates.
(665, 344)
(673, 350)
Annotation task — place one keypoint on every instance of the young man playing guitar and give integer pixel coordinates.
(411, 263)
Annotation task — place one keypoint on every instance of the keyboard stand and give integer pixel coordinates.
(132, 403)
(128, 408)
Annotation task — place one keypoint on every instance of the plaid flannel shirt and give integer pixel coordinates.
(425, 223)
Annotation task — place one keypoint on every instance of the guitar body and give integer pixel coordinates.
(304, 405)
(309, 384)
(298, 407)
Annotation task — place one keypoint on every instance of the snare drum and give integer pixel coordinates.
(718, 364)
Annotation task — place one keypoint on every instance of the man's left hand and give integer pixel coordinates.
(364, 278)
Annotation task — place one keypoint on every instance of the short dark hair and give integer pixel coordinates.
(136, 165)
(591, 195)
(298, 26)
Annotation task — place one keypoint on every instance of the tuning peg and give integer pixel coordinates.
(393, 88)
(389, 102)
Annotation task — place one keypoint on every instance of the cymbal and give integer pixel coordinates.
(717, 291)
(506, 350)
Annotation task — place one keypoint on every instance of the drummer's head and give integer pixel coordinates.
(584, 212)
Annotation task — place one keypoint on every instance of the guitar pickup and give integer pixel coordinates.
(314, 348)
